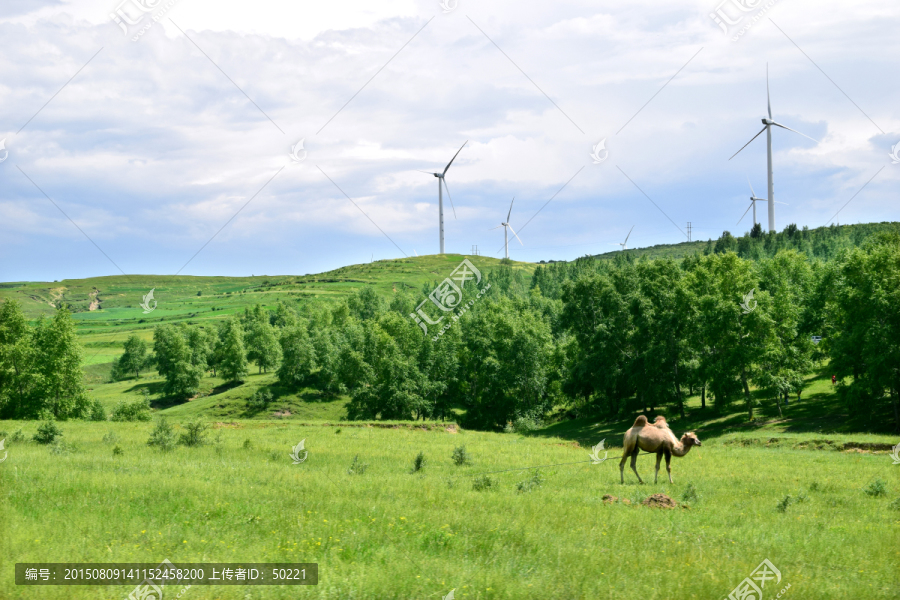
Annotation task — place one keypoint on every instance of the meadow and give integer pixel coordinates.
(390, 533)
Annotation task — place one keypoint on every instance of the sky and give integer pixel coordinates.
(270, 137)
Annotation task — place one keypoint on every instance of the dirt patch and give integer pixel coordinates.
(232, 425)
(281, 414)
(609, 499)
(870, 446)
(95, 299)
(660, 501)
(451, 429)
(569, 445)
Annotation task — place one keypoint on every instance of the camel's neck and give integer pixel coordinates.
(680, 449)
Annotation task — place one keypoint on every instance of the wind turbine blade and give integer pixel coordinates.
(748, 143)
(510, 209)
(628, 236)
(752, 192)
(514, 233)
(448, 195)
(454, 157)
(421, 171)
(795, 131)
(768, 99)
(745, 213)
(497, 227)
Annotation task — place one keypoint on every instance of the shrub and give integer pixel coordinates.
(259, 400)
(18, 436)
(248, 445)
(418, 462)
(195, 434)
(59, 446)
(523, 425)
(690, 494)
(482, 482)
(461, 457)
(96, 412)
(47, 433)
(139, 410)
(876, 489)
(357, 467)
(162, 436)
(782, 506)
(111, 438)
(815, 486)
(532, 483)
(895, 504)
(117, 451)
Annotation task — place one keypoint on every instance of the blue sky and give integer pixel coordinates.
(155, 144)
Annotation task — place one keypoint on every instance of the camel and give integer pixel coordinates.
(656, 438)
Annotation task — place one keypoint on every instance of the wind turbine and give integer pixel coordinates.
(626, 239)
(441, 180)
(753, 201)
(767, 127)
(506, 229)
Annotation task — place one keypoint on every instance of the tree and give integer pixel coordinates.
(298, 356)
(134, 357)
(175, 362)
(58, 356)
(262, 345)
(19, 382)
(233, 359)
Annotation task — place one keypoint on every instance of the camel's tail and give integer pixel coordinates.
(641, 421)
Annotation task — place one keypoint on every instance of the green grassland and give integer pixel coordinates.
(389, 533)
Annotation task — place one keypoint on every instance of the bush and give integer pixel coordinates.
(59, 447)
(248, 445)
(876, 489)
(162, 436)
(482, 482)
(96, 412)
(785, 502)
(895, 504)
(461, 457)
(418, 462)
(532, 483)
(523, 425)
(47, 433)
(117, 451)
(357, 467)
(139, 410)
(259, 400)
(18, 436)
(195, 434)
(690, 494)
(111, 438)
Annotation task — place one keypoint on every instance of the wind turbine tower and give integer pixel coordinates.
(767, 127)
(506, 229)
(442, 181)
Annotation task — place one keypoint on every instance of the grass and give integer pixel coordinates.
(383, 534)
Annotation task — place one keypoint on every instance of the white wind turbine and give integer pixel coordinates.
(768, 122)
(753, 201)
(506, 229)
(626, 239)
(441, 180)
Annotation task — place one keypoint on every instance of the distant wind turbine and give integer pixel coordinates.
(753, 201)
(441, 180)
(768, 122)
(626, 239)
(506, 228)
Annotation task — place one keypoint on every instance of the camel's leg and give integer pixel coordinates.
(634, 456)
(659, 456)
(668, 465)
(622, 462)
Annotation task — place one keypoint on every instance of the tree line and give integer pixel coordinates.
(593, 338)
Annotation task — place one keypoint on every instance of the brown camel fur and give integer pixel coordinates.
(656, 438)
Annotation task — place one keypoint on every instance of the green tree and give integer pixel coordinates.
(58, 356)
(233, 358)
(175, 362)
(262, 345)
(298, 356)
(134, 357)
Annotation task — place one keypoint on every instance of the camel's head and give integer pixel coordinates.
(690, 439)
